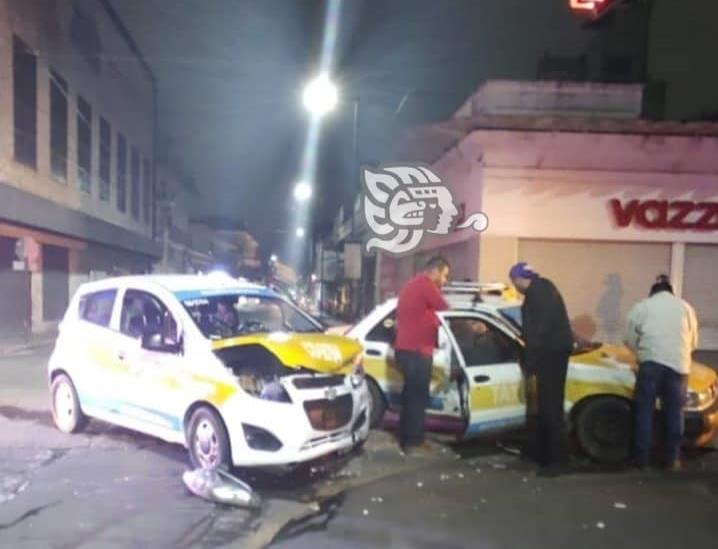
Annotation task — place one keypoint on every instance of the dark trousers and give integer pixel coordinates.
(416, 369)
(551, 440)
(654, 380)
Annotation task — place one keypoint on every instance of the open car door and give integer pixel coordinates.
(495, 388)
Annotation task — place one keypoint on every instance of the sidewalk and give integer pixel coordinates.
(10, 346)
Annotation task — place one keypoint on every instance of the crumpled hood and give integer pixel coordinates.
(320, 352)
(620, 356)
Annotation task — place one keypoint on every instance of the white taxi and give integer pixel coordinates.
(231, 370)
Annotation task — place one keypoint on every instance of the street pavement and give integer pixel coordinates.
(109, 487)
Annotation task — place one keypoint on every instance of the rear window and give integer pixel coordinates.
(97, 307)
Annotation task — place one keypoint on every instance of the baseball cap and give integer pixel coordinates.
(522, 270)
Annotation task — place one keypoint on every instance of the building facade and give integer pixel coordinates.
(601, 205)
(77, 144)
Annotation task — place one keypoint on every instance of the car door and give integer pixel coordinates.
(154, 390)
(489, 357)
(444, 412)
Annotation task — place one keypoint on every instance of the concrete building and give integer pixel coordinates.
(574, 182)
(175, 195)
(77, 142)
(228, 244)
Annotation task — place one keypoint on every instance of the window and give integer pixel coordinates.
(58, 126)
(25, 103)
(146, 191)
(143, 313)
(84, 144)
(481, 343)
(121, 173)
(97, 307)
(105, 158)
(135, 182)
(385, 331)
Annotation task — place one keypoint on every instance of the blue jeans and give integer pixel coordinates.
(416, 369)
(656, 380)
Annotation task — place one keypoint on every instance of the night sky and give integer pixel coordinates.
(230, 75)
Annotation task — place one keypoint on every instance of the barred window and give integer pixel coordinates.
(25, 103)
(121, 173)
(105, 159)
(58, 126)
(84, 144)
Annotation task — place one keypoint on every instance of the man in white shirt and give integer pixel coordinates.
(663, 331)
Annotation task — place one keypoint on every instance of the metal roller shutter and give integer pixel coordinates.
(700, 290)
(600, 281)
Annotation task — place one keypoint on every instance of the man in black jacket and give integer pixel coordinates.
(549, 341)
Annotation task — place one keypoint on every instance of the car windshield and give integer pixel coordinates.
(580, 344)
(231, 315)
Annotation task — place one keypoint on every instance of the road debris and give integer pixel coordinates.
(620, 505)
(219, 486)
(419, 484)
(600, 525)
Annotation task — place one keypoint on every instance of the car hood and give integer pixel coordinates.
(619, 356)
(322, 353)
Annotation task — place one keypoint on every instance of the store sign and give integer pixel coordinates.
(678, 215)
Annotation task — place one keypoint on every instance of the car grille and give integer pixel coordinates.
(328, 415)
(318, 382)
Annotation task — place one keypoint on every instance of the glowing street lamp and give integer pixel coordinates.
(320, 95)
(302, 191)
(300, 232)
(274, 258)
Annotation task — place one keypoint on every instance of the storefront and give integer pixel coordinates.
(600, 208)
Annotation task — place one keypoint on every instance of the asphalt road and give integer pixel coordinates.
(109, 487)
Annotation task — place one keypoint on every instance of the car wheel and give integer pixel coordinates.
(604, 429)
(208, 441)
(378, 404)
(66, 411)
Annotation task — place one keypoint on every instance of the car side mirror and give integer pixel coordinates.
(153, 341)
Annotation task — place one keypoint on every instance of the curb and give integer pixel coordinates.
(12, 349)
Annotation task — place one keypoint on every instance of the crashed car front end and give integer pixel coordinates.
(302, 397)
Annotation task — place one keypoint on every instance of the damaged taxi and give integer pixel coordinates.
(477, 385)
(231, 370)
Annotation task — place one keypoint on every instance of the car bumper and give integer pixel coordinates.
(290, 425)
(701, 426)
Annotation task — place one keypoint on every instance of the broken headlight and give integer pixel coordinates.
(266, 389)
(357, 375)
(698, 400)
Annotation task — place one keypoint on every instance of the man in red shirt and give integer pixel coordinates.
(417, 326)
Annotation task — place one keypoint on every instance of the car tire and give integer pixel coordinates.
(604, 429)
(65, 404)
(207, 440)
(378, 404)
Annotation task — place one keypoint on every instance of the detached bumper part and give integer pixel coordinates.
(700, 427)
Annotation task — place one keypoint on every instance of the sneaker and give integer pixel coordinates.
(510, 448)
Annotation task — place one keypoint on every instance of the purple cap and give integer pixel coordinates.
(522, 270)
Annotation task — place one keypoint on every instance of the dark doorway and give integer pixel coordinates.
(15, 292)
(55, 283)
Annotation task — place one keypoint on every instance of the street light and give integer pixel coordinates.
(302, 191)
(274, 258)
(300, 232)
(320, 95)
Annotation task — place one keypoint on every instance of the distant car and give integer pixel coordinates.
(230, 370)
(477, 384)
